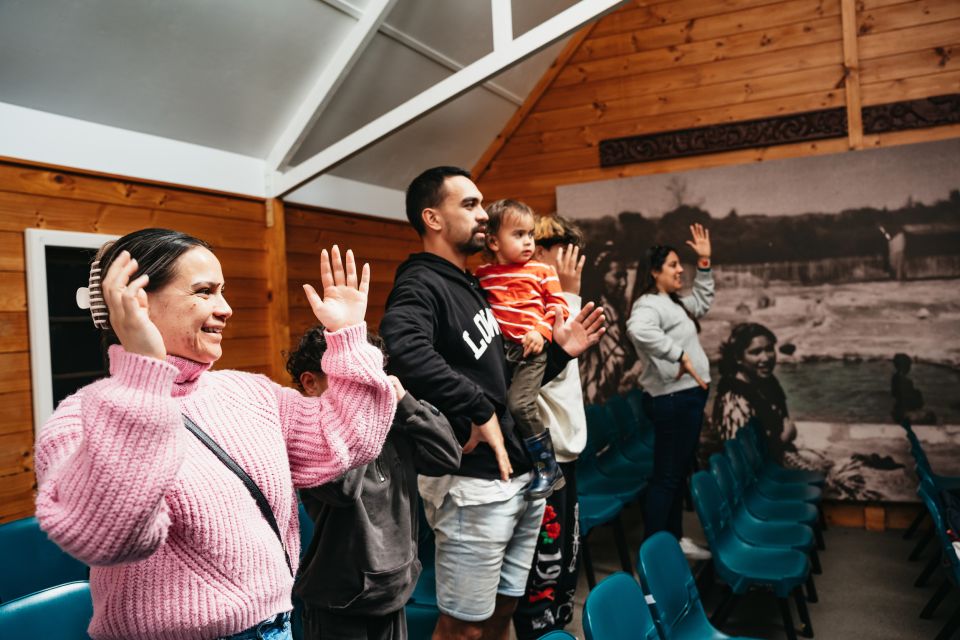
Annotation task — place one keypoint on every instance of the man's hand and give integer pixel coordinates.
(579, 333)
(686, 366)
(532, 343)
(490, 433)
(570, 268)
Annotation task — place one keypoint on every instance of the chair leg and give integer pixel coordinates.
(588, 563)
(818, 534)
(928, 571)
(912, 529)
(823, 517)
(921, 544)
(815, 561)
(812, 590)
(620, 537)
(807, 630)
(787, 618)
(935, 600)
(949, 629)
(725, 608)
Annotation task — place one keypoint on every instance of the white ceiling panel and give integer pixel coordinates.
(220, 73)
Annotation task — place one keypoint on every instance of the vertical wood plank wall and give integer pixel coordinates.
(662, 65)
(384, 244)
(35, 197)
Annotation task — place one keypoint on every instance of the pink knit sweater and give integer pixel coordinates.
(177, 546)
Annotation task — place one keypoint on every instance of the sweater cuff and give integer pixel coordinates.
(348, 337)
(142, 373)
(481, 411)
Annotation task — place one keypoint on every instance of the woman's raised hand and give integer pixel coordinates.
(344, 301)
(570, 268)
(701, 241)
(128, 307)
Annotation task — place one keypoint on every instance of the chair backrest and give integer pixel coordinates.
(919, 455)
(665, 575)
(31, 562)
(558, 635)
(709, 505)
(421, 620)
(753, 431)
(750, 453)
(616, 609)
(931, 499)
(723, 474)
(601, 428)
(62, 612)
(742, 471)
(623, 415)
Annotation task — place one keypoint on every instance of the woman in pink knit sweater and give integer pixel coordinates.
(178, 547)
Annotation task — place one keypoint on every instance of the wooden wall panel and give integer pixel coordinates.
(384, 244)
(33, 196)
(652, 67)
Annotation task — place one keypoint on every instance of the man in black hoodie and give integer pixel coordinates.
(446, 348)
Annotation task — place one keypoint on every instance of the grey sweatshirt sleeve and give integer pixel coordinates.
(648, 336)
(701, 298)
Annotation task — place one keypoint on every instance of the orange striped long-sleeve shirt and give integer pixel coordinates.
(522, 296)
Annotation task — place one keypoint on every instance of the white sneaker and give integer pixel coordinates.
(693, 551)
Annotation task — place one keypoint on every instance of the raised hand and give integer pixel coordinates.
(344, 301)
(490, 433)
(701, 241)
(129, 309)
(532, 343)
(686, 367)
(569, 268)
(579, 333)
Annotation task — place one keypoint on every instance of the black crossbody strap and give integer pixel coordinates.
(252, 487)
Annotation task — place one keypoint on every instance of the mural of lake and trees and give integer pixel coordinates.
(851, 261)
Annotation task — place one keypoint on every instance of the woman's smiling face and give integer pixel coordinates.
(759, 358)
(191, 311)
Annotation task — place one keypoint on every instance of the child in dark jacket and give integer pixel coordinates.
(361, 566)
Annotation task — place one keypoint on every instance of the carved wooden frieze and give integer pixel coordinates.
(912, 114)
(766, 132)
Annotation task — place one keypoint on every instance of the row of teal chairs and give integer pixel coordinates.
(612, 471)
(931, 488)
(666, 607)
(31, 562)
(762, 527)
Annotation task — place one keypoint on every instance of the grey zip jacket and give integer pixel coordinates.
(661, 332)
(362, 559)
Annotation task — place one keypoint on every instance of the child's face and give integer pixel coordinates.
(513, 242)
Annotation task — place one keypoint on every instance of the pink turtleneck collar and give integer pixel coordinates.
(188, 374)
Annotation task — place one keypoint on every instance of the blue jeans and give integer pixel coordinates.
(677, 419)
(275, 628)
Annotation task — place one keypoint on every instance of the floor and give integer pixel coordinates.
(866, 590)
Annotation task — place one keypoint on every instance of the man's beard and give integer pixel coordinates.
(473, 244)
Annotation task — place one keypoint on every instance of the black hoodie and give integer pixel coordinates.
(445, 346)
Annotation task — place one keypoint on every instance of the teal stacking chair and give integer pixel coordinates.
(931, 499)
(608, 458)
(763, 533)
(674, 598)
(558, 635)
(421, 620)
(770, 488)
(597, 510)
(941, 483)
(743, 567)
(617, 610)
(596, 477)
(772, 470)
(636, 437)
(767, 508)
(31, 561)
(62, 612)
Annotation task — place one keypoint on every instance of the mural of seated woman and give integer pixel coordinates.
(748, 389)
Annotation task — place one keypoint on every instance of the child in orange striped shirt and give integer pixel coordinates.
(525, 298)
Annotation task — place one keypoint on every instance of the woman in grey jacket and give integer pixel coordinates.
(664, 330)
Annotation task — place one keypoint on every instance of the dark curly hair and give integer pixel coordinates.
(736, 344)
(313, 344)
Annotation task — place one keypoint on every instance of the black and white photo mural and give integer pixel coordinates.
(837, 312)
